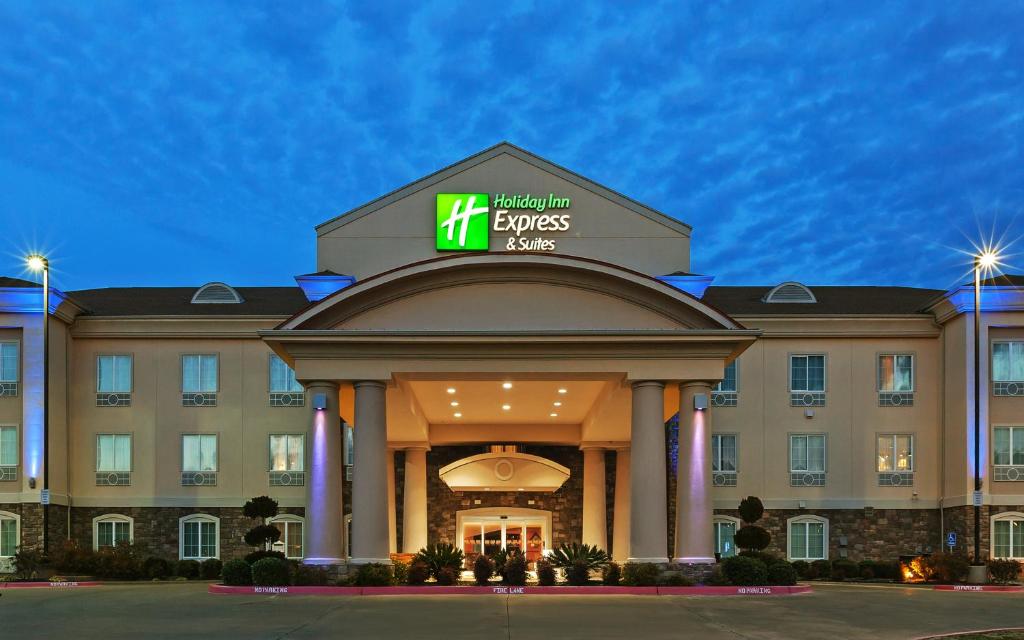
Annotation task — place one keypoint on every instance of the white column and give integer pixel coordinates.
(369, 476)
(323, 534)
(595, 519)
(620, 514)
(648, 518)
(392, 513)
(695, 542)
(414, 514)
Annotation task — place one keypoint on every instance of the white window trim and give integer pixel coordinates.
(17, 444)
(736, 522)
(824, 373)
(197, 517)
(992, 360)
(717, 388)
(895, 434)
(270, 376)
(7, 515)
(131, 452)
(894, 354)
(181, 371)
(789, 452)
(291, 517)
(992, 435)
(181, 453)
(131, 368)
(111, 517)
(737, 439)
(801, 520)
(1008, 515)
(17, 365)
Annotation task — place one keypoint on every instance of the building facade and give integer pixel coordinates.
(505, 353)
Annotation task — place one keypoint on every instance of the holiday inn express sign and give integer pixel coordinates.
(464, 221)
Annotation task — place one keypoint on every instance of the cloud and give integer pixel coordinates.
(810, 141)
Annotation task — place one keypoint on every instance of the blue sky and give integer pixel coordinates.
(175, 143)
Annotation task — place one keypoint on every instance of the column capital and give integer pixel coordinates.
(333, 384)
(379, 384)
(696, 383)
(637, 384)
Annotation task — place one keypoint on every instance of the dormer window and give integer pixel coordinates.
(790, 292)
(216, 293)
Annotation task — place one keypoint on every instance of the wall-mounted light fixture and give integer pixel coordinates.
(808, 413)
(320, 401)
(700, 401)
(32, 483)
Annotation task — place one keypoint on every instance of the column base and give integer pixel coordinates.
(694, 560)
(648, 560)
(977, 574)
(369, 560)
(323, 562)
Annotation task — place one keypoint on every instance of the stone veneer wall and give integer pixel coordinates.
(565, 505)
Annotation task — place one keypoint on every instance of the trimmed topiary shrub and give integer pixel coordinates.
(305, 575)
(418, 573)
(611, 574)
(744, 571)
(374, 574)
(752, 537)
(237, 573)
(844, 569)
(156, 568)
(263, 534)
(514, 573)
(447, 576)
(256, 556)
(675, 579)
(546, 575)
(210, 569)
(188, 569)
(640, 574)
(483, 569)
(270, 572)
(782, 573)
(751, 509)
(802, 567)
(767, 558)
(578, 574)
(820, 569)
(1003, 571)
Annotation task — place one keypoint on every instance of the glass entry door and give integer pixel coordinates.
(491, 534)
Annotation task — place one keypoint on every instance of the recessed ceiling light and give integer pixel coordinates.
(563, 390)
(506, 407)
(557, 404)
(455, 404)
(553, 415)
(451, 389)
(458, 414)
(506, 385)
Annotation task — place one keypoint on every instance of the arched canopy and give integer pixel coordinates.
(511, 292)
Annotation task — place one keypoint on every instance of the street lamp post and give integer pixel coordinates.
(984, 261)
(40, 263)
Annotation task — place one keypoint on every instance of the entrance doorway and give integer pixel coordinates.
(489, 530)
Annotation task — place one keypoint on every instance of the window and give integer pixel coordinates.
(199, 537)
(807, 373)
(723, 459)
(8, 368)
(807, 453)
(1008, 453)
(1008, 361)
(199, 374)
(282, 377)
(113, 374)
(1008, 535)
(728, 383)
(291, 536)
(350, 450)
(199, 452)
(808, 538)
(286, 452)
(9, 534)
(895, 373)
(111, 530)
(895, 452)
(113, 452)
(725, 533)
(8, 450)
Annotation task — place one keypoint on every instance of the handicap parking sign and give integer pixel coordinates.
(951, 539)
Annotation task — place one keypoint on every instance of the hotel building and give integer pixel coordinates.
(505, 353)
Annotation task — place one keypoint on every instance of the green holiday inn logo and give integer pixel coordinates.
(462, 221)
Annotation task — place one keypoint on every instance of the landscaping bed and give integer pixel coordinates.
(503, 590)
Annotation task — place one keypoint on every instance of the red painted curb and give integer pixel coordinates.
(504, 590)
(975, 588)
(47, 585)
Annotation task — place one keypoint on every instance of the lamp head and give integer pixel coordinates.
(36, 262)
(988, 259)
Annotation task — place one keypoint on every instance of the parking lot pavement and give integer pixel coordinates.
(173, 610)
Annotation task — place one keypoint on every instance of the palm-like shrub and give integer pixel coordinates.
(570, 556)
(545, 573)
(483, 569)
(440, 556)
